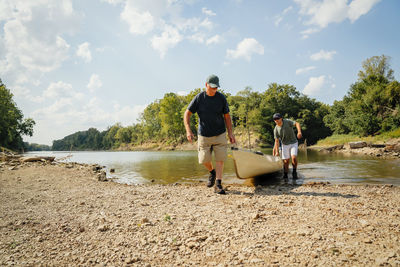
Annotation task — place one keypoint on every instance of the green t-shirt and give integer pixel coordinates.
(285, 132)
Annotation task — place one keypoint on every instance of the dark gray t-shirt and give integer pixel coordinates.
(285, 132)
(211, 110)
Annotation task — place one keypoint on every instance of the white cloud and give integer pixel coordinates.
(61, 90)
(314, 85)
(206, 23)
(278, 18)
(216, 39)
(304, 70)
(163, 19)
(208, 12)
(326, 55)
(245, 49)
(306, 33)
(140, 22)
(197, 37)
(169, 38)
(113, 2)
(94, 83)
(323, 13)
(29, 51)
(33, 41)
(65, 111)
(84, 52)
(66, 116)
(357, 8)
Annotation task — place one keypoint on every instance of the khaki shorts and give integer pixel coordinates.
(206, 145)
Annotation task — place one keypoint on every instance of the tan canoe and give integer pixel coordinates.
(250, 164)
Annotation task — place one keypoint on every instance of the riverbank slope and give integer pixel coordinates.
(61, 214)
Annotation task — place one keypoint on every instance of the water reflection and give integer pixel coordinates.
(183, 167)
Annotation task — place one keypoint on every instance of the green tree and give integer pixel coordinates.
(286, 100)
(371, 104)
(123, 135)
(376, 66)
(151, 122)
(109, 140)
(137, 134)
(171, 115)
(12, 124)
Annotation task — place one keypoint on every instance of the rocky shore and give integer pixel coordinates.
(57, 214)
(389, 149)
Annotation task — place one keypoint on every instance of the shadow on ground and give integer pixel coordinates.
(275, 184)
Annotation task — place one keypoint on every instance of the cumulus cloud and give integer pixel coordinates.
(27, 50)
(322, 54)
(208, 12)
(314, 85)
(278, 18)
(323, 13)
(61, 90)
(163, 20)
(140, 22)
(169, 38)
(33, 39)
(246, 49)
(216, 39)
(84, 52)
(304, 70)
(67, 111)
(94, 83)
(113, 2)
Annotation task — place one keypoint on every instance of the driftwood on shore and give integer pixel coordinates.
(33, 159)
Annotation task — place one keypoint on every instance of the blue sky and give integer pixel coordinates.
(72, 65)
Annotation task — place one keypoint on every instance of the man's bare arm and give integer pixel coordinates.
(228, 123)
(186, 121)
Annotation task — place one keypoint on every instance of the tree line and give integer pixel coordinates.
(371, 106)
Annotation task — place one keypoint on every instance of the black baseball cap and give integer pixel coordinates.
(277, 116)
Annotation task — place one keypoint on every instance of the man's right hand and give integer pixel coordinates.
(190, 136)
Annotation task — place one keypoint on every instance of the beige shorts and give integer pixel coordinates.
(206, 145)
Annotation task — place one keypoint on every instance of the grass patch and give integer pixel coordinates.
(338, 139)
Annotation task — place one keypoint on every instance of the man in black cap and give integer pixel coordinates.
(284, 133)
(213, 111)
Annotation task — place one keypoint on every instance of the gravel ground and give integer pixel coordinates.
(61, 214)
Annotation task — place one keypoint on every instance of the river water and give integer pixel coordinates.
(136, 167)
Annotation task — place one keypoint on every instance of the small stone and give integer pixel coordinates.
(103, 228)
(364, 223)
(367, 241)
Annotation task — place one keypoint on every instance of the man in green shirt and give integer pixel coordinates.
(284, 134)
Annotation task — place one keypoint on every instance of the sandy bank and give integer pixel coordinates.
(62, 215)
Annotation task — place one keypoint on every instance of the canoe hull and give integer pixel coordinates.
(248, 164)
